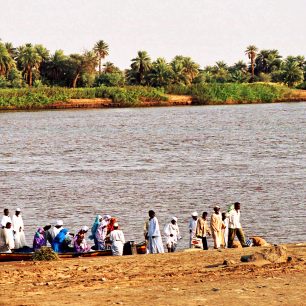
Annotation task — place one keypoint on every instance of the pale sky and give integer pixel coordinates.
(206, 30)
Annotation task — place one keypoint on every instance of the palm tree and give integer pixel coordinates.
(11, 49)
(6, 61)
(292, 73)
(29, 60)
(160, 73)
(251, 53)
(109, 67)
(141, 65)
(101, 49)
(191, 69)
(267, 61)
(178, 76)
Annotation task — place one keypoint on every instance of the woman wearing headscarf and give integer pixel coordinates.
(94, 229)
(102, 232)
(39, 239)
(59, 243)
(79, 242)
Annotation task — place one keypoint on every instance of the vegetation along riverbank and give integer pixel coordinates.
(138, 96)
(31, 77)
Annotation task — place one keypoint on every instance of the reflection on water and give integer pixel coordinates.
(75, 164)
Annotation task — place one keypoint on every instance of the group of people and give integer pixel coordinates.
(105, 233)
(223, 228)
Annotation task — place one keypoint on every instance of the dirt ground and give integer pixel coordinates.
(183, 278)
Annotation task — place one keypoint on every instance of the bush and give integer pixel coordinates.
(45, 254)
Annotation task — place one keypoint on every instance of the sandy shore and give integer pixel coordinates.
(183, 278)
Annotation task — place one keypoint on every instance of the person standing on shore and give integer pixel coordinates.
(18, 230)
(155, 241)
(117, 239)
(172, 234)
(216, 227)
(6, 218)
(192, 226)
(7, 238)
(224, 230)
(202, 229)
(235, 226)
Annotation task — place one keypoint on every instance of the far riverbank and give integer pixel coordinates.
(137, 96)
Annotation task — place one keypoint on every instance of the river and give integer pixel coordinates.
(73, 164)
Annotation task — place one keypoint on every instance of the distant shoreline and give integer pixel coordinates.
(173, 100)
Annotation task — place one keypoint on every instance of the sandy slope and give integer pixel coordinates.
(185, 278)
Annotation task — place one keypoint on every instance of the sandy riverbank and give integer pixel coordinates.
(184, 278)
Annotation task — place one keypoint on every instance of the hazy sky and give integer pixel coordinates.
(206, 30)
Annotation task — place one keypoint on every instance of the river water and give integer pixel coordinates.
(73, 164)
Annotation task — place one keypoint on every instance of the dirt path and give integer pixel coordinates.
(185, 278)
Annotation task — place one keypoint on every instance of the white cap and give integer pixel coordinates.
(217, 207)
(85, 228)
(18, 209)
(194, 214)
(116, 224)
(59, 223)
(174, 218)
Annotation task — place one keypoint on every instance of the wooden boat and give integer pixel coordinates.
(27, 256)
(19, 256)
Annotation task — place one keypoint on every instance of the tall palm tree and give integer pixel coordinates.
(6, 61)
(102, 50)
(141, 65)
(29, 60)
(251, 53)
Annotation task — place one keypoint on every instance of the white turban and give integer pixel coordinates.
(59, 223)
(194, 214)
(174, 218)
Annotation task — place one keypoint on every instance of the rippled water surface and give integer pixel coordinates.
(74, 164)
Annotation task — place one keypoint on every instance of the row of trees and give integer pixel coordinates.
(34, 65)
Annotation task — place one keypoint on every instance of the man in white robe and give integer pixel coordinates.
(172, 234)
(216, 227)
(6, 218)
(155, 241)
(7, 238)
(117, 239)
(18, 230)
(192, 226)
(53, 232)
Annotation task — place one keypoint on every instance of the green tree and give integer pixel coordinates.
(102, 50)
(109, 67)
(292, 73)
(160, 74)
(251, 53)
(29, 60)
(11, 49)
(140, 66)
(6, 61)
(85, 63)
(267, 61)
